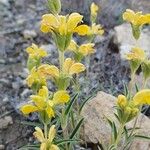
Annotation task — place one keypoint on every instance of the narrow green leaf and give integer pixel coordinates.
(109, 121)
(117, 117)
(136, 88)
(114, 130)
(142, 137)
(34, 124)
(66, 141)
(126, 91)
(126, 133)
(71, 104)
(112, 147)
(76, 128)
(84, 102)
(30, 147)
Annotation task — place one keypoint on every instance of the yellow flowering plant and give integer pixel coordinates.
(129, 106)
(59, 117)
(137, 20)
(55, 109)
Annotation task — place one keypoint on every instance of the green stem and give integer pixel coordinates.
(131, 82)
(119, 135)
(45, 130)
(61, 60)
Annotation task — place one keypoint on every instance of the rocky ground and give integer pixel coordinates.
(19, 27)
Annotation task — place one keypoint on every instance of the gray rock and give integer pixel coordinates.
(49, 48)
(2, 147)
(124, 39)
(4, 122)
(28, 34)
(96, 128)
(5, 2)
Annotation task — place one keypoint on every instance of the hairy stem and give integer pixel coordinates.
(119, 135)
(61, 60)
(45, 130)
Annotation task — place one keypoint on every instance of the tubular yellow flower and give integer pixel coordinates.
(94, 9)
(84, 49)
(62, 25)
(82, 30)
(137, 19)
(73, 46)
(60, 97)
(95, 30)
(39, 134)
(136, 54)
(132, 17)
(87, 49)
(122, 101)
(48, 70)
(70, 67)
(142, 97)
(46, 143)
(35, 77)
(40, 103)
(35, 52)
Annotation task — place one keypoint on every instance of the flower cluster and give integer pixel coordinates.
(46, 142)
(137, 20)
(53, 105)
(128, 109)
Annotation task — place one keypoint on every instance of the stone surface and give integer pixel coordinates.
(124, 39)
(2, 147)
(96, 127)
(28, 34)
(4, 122)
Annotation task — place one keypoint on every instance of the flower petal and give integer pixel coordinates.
(39, 134)
(52, 133)
(26, 109)
(61, 97)
(142, 97)
(73, 20)
(82, 30)
(76, 68)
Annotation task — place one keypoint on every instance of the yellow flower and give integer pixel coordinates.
(142, 97)
(46, 142)
(35, 52)
(35, 77)
(132, 17)
(60, 97)
(136, 54)
(95, 30)
(122, 101)
(84, 49)
(62, 25)
(71, 67)
(40, 103)
(48, 70)
(73, 46)
(94, 9)
(137, 19)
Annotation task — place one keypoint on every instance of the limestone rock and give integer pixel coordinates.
(96, 127)
(28, 34)
(124, 39)
(4, 122)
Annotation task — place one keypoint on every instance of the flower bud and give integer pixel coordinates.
(128, 111)
(54, 6)
(134, 112)
(122, 101)
(146, 69)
